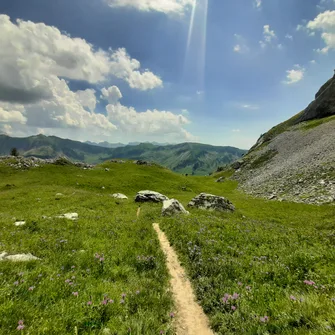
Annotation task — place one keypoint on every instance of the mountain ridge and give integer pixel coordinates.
(191, 158)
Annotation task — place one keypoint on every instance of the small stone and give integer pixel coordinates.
(19, 223)
(119, 196)
(69, 216)
(172, 207)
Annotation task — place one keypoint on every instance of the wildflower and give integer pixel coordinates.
(102, 259)
(264, 319)
(235, 296)
(104, 302)
(248, 288)
(162, 332)
(20, 327)
(72, 267)
(233, 308)
(224, 300)
(292, 297)
(89, 303)
(123, 295)
(16, 283)
(67, 281)
(111, 301)
(73, 277)
(137, 292)
(31, 288)
(239, 283)
(58, 275)
(171, 315)
(309, 282)
(122, 301)
(20, 322)
(75, 294)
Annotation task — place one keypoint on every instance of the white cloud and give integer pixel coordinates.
(289, 37)
(126, 68)
(241, 46)
(87, 99)
(111, 94)
(313, 61)
(248, 106)
(178, 7)
(235, 130)
(269, 36)
(324, 22)
(295, 75)
(150, 122)
(32, 55)
(34, 60)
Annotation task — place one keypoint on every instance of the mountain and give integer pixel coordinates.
(295, 160)
(119, 145)
(191, 158)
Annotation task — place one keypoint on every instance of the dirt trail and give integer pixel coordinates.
(190, 318)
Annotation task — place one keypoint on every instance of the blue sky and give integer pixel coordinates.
(211, 71)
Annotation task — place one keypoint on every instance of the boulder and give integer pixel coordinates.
(119, 196)
(172, 207)
(145, 196)
(18, 258)
(211, 202)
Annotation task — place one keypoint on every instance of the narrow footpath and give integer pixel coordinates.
(190, 318)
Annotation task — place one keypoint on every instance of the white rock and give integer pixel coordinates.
(119, 196)
(20, 223)
(69, 216)
(172, 207)
(18, 258)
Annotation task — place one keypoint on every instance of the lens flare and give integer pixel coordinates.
(195, 56)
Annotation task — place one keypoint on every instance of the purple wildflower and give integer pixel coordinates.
(75, 294)
(236, 296)
(104, 302)
(20, 322)
(89, 303)
(171, 315)
(122, 301)
(20, 327)
(16, 283)
(111, 301)
(233, 308)
(123, 295)
(31, 288)
(292, 297)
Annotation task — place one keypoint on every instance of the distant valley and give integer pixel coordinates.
(191, 158)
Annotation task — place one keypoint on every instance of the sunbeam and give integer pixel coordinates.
(195, 55)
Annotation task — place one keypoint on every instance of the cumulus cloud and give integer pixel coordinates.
(269, 38)
(150, 122)
(33, 54)
(178, 7)
(36, 60)
(295, 75)
(111, 94)
(325, 23)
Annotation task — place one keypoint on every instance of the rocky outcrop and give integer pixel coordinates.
(150, 196)
(323, 105)
(172, 207)
(211, 202)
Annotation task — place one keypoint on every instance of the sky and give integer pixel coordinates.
(210, 71)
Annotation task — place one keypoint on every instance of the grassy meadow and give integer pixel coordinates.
(268, 268)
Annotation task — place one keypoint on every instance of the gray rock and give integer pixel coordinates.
(145, 196)
(211, 202)
(220, 180)
(119, 196)
(173, 207)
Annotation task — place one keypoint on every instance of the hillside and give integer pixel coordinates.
(295, 160)
(191, 158)
(107, 271)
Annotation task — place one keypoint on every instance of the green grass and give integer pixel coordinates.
(270, 246)
(315, 123)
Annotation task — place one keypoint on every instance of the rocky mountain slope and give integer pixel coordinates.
(191, 158)
(295, 160)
